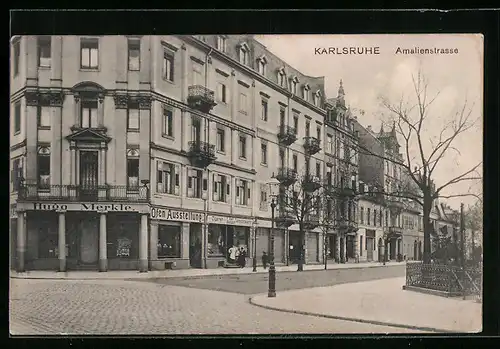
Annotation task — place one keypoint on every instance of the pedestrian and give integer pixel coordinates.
(232, 254)
(264, 259)
(241, 257)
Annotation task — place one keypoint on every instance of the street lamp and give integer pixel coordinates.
(273, 193)
(254, 262)
(145, 183)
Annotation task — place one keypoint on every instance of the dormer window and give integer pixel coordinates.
(244, 54)
(293, 85)
(317, 98)
(261, 65)
(305, 92)
(221, 43)
(282, 77)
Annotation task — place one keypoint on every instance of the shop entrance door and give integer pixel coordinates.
(229, 240)
(89, 241)
(369, 249)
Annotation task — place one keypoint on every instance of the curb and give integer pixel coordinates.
(344, 318)
(128, 278)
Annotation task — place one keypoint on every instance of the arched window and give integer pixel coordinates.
(133, 169)
(43, 164)
(89, 97)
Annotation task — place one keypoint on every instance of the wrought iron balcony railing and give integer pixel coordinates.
(311, 145)
(201, 154)
(285, 217)
(311, 220)
(287, 135)
(347, 224)
(33, 192)
(393, 230)
(201, 98)
(286, 176)
(311, 183)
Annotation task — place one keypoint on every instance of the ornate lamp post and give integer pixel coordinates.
(273, 193)
(254, 262)
(146, 183)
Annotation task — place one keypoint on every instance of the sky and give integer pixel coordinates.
(457, 77)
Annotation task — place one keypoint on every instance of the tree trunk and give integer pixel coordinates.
(300, 265)
(427, 229)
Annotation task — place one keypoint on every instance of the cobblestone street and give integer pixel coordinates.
(130, 307)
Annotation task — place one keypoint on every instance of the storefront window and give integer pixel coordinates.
(169, 241)
(241, 237)
(216, 240)
(123, 236)
(47, 242)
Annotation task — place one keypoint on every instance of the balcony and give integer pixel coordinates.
(201, 98)
(286, 176)
(201, 154)
(284, 218)
(311, 145)
(311, 220)
(35, 192)
(287, 135)
(311, 183)
(347, 224)
(393, 231)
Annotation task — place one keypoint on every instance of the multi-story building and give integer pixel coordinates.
(154, 151)
(341, 179)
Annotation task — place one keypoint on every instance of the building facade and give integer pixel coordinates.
(153, 152)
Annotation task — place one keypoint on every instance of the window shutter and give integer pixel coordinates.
(176, 178)
(190, 189)
(204, 193)
(228, 189)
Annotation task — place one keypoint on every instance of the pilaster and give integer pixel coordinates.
(103, 243)
(62, 241)
(21, 242)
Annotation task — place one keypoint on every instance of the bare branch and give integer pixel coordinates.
(457, 179)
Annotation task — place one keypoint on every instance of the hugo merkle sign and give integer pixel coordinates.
(87, 207)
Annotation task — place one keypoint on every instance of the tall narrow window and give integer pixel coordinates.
(242, 192)
(281, 79)
(305, 93)
(133, 117)
(168, 66)
(44, 53)
(133, 169)
(221, 188)
(197, 74)
(362, 215)
(243, 55)
(168, 180)
(282, 117)
(282, 158)
(220, 140)
(17, 173)
(296, 124)
(295, 162)
(168, 122)
(263, 151)
(134, 54)
(318, 169)
(368, 216)
(17, 117)
(243, 102)
(329, 143)
(318, 133)
(43, 167)
(88, 114)
(264, 110)
(89, 53)
(308, 128)
(194, 183)
(261, 64)
(43, 116)
(243, 147)
(16, 48)
(221, 92)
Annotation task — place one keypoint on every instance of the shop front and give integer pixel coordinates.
(80, 236)
(312, 247)
(370, 244)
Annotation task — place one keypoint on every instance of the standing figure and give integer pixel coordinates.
(264, 259)
(232, 254)
(242, 257)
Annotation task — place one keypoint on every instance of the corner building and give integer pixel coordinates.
(152, 152)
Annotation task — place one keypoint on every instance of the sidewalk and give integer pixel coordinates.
(380, 302)
(187, 273)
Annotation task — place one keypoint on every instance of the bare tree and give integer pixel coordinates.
(300, 203)
(410, 118)
(474, 222)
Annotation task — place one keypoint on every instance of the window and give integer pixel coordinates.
(89, 53)
(318, 133)
(296, 124)
(305, 93)
(16, 56)
(380, 218)
(88, 114)
(386, 218)
(261, 66)
(317, 99)
(362, 215)
(375, 217)
(294, 87)
(368, 216)
(43, 167)
(329, 174)
(17, 173)
(295, 161)
(221, 140)
(361, 245)
(197, 74)
(134, 54)
(168, 66)
(221, 188)
(244, 55)
(168, 181)
(242, 192)
(221, 92)
(47, 238)
(282, 157)
(194, 183)
(44, 53)
(282, 116)
(195, 129)
(264, 110)
(133, 169)
(281, 78)
(329, 143)
(133, 117)
(263, 197)
(243, 103)
(221, 43)
(243, 147)
(43, 117)
(318, 169)
(168, 122)
(17, 117)
(263, 152)
(169, 241)
(308, 128)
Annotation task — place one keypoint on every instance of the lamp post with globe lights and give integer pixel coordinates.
(273, 193)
